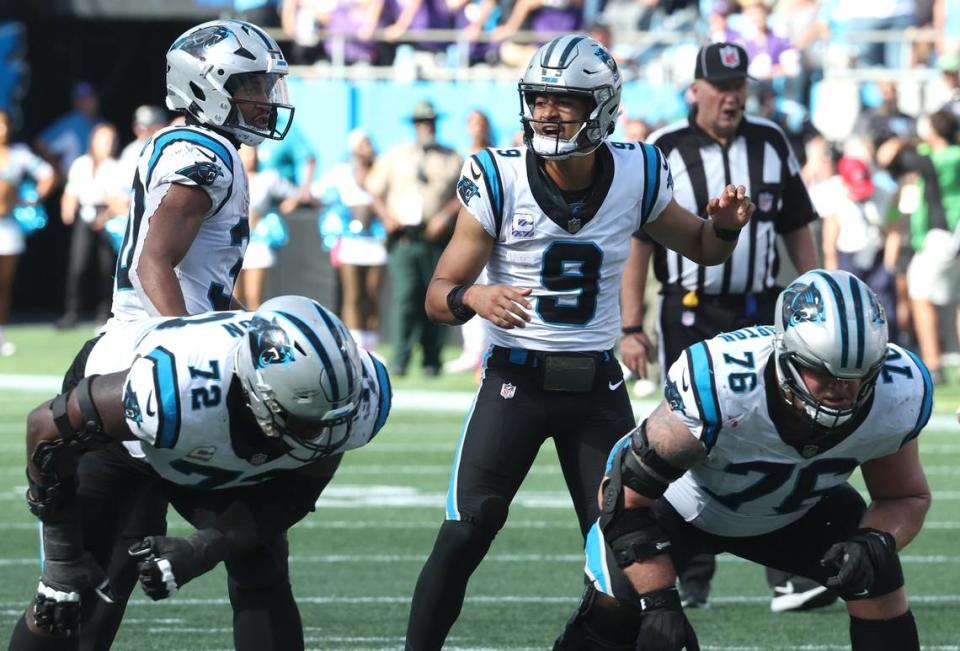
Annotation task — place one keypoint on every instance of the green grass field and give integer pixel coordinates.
(355, 561)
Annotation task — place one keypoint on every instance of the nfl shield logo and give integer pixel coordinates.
(730, 56)
(508, 390)
(764, 202)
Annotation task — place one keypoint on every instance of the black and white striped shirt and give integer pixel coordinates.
(757, 157)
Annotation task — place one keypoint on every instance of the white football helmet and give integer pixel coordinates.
(832, 322)
(301, 373)
(218, 70)
(574, 64)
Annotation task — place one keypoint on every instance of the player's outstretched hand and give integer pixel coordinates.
(502, 305)
(732, 209)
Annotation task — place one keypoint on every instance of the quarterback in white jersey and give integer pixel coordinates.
(244, 416)
(551, 222)
(751, 452)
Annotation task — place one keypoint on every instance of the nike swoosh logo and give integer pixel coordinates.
(150, 412)
(614, 387)
(590, 72)
(683, 380)
(209, 157)
(473, 171)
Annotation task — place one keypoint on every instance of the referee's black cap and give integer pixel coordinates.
(721, 62)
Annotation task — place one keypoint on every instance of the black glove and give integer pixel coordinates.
(865, 565)
(166, 564)
(663, 624)
(63, 584)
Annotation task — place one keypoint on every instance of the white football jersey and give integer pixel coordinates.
(751, 481)
(572, 256)
(182, 401)
(193, 156)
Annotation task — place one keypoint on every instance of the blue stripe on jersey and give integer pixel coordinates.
(926, 406)
(705, 392)
(858, 310)
(168, 397)
(453, 513)
(594, 549)
(619, 445)
(386, 395)
(317, 346)
(651, 166)
(188, 135)
(339, 336)
(491, 178)
(841, 314)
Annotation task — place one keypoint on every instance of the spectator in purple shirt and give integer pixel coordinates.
(546, 16)
(770, 55)
(416, 15)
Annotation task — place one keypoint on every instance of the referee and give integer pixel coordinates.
(716, 145)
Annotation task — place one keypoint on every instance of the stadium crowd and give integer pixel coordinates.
(879, 163)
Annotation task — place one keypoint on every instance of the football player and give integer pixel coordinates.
(751, 451)
(187, 228)
(243, 417)
(551, 221)
(183, 248)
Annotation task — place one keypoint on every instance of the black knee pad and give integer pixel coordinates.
(264, 567)
(897, 634)
(493, 514)
(600, 623)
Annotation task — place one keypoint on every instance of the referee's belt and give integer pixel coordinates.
(557, 371)
(691, 298)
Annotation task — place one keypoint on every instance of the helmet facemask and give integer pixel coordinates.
(823, 417)
(588, 136)
(260, 106)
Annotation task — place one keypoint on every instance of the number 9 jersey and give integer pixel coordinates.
(185, 406)
(570, 248)
(759, 475)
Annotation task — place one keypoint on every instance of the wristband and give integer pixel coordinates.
(632, 330)
(725, 234)
(460, 312)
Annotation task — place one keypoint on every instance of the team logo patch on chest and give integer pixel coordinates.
(521, 227)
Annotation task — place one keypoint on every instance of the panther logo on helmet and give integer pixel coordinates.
(802, 303)
(269, 343)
